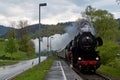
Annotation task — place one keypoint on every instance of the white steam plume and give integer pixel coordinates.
(59, 42)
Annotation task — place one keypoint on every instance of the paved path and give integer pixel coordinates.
(61, 71)
(8, 72)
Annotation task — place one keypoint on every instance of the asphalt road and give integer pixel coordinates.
(8, 72)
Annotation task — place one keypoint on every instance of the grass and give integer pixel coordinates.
(7, 62)
(113, 72)
(34, 73)
(110, 64)
(19, 55)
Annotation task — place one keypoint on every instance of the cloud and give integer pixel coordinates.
(109, 5)
(55, 11)
(60, 12)
(116, 14)
(62, 17)
(11, 10)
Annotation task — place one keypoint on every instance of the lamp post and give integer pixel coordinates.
(51, 51)
(41, 4)
(50, 43)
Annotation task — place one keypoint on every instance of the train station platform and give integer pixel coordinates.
(61, 71)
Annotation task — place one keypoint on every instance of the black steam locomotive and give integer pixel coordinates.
(81, 52)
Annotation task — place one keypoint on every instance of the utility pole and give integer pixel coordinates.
(41, 4)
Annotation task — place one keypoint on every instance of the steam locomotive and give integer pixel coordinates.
(81, 51)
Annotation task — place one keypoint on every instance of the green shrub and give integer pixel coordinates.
(110, 71)
(115, 63)
(2, 40)
(108, 51)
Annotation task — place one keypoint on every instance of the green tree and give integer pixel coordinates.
(11, 45)
(105, 24)
(107, 28)
(89, 11)
(24, 40)
(30, 49)
(49, 30)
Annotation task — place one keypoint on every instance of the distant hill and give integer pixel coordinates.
(119, 22)
(45, 30)
(4, 30)
(34, 29)
(118, 19)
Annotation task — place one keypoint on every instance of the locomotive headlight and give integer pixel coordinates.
(97, 58)
(87, 37)
(79, 58)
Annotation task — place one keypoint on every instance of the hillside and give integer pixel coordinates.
(33, 30)
(119, 22)
(4, 29)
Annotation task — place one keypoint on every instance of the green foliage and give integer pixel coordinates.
(19, 55)
(49, 30)
(105, 24)
(108, 51)
(89, 11)
(2, 40)
(11, 45)
(107, 28)
(23, 43)
(11, 34)
(30, 49)
(113, 72)
(115, 63)
(26, 45)
(7, 62)
(102, 14)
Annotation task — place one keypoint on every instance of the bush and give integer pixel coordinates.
(115, 64)
(108, 51)
(2, 40)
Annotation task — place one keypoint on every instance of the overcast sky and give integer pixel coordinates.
(55, 11)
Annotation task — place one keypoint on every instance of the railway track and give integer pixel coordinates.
(94, 77)
(90, 76)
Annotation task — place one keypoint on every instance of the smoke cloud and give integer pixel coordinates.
(59, 42)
